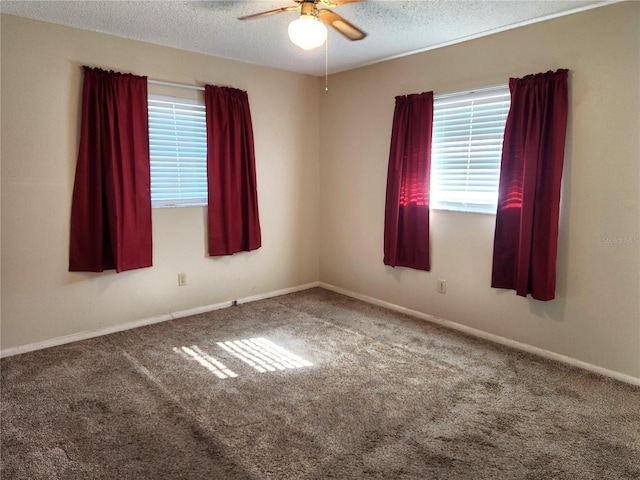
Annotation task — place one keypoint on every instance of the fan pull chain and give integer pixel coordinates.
(326, 65)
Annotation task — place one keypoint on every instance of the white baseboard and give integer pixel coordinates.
(489, 336)
(75, 337)
(424, 316)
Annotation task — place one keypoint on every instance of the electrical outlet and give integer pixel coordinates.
(442, 286)
(182, 279)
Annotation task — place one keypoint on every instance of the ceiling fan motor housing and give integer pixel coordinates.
(308, 7)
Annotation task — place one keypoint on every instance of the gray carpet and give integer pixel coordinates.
(337, 389)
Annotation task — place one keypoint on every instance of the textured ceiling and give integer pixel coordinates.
(394, 28)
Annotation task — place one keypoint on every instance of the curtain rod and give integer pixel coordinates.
(178, 85)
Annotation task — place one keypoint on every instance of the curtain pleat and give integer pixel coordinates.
(406, 224)
(526, 232)
(233, 220)
(111, 204)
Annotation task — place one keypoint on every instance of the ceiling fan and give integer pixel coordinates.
(308, 30)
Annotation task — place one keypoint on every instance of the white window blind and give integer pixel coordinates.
(178, 149)
(468, 128)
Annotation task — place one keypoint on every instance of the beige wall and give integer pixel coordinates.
(322, 202)
(596, 315)
(41, 86)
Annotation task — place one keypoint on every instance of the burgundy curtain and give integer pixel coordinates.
(233, 220)
(406, 222)
(111, 204)
(526, 232)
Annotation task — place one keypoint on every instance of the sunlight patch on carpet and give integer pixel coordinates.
(215, 366)
(264, 355)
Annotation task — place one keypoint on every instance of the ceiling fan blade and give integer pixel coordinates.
(333, 3)
(269, 12)
(346, 28)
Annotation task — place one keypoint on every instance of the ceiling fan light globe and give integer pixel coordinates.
(307, 32)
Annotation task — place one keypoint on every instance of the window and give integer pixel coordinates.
(178, 149)
(466, 150)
